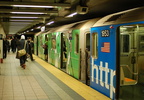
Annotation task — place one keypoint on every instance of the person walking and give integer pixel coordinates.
(22, 45)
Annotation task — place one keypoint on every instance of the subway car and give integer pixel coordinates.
(68, 48)
(106, 53)
(117, 55)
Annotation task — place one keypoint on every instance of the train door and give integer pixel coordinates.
(46, 48)
(41, 48)
(63, 52)
(39, 45)
(132, 62)
(87, 58)
(53, 49)
(58, 50)
(49, 47)
(36, 45)
(74, 55)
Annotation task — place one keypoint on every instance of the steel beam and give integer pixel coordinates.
(5, 3)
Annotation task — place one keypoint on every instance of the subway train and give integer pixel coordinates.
(105, 53)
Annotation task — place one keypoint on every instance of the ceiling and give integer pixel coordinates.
(14, 22)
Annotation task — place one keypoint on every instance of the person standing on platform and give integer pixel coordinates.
(46, 49)
(9, 45)
(5, 46)
(29, 48)
(32, 46)
(20, 46)
(13, 45)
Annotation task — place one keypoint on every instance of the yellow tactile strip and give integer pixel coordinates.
(82, 89)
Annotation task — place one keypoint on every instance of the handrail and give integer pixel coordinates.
(129, 69)
(136, 80)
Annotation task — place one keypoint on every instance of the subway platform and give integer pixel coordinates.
(41, 81)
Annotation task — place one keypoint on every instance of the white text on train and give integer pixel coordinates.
(99, 76)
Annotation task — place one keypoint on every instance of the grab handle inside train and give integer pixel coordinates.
(133, 60)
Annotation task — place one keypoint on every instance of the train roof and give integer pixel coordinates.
(132, 15)
(63, 28)
(86, 24)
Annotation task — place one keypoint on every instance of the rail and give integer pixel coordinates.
(128, 81)
(129, 69)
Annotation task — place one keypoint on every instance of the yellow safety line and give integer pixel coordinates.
(85, 91)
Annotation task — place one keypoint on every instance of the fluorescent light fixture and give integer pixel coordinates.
(24, 17)
(23, 20)
(20, 23)
(128, 26)
(71, 15)
(27, 13)
(42, 28)
(34, 6)
(50, 23)
(38, 27)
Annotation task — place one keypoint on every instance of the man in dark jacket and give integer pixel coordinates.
(22, 45)
(13, 45)
(5, 45)
(29, 48)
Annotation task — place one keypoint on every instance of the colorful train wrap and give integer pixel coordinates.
(106, 53)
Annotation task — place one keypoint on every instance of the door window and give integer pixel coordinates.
(125, 43)
(77, 43)
(95, 45)
(88, 41)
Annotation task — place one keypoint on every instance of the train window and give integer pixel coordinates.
(95, 45)
(46, 37)
(141, 43)
(77, 43)
(125, 43)
(132, 33)
(88, 41)
(115, 17)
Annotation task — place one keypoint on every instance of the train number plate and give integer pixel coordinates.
(105, 33)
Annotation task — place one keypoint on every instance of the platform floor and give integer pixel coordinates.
(41, 81)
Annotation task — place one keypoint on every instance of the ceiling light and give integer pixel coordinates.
(42, 28)
(34, 6)
(50, 23)
(24, 17)
(23, 20)
(128, 26)
(38, 27)
(27, 13)
(71, 15)
(20, 23)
